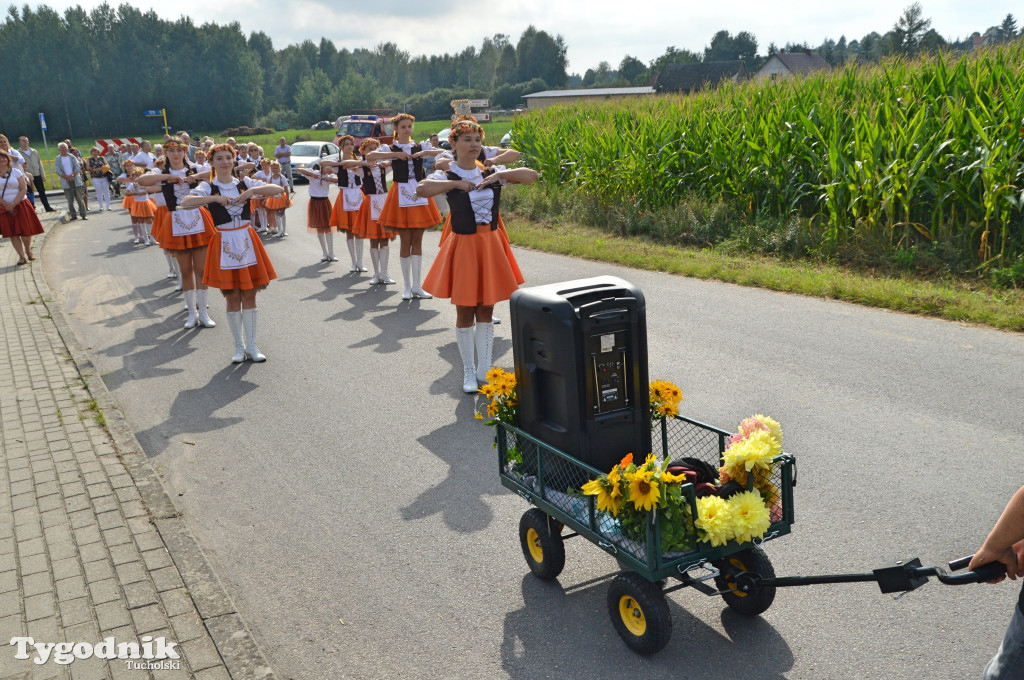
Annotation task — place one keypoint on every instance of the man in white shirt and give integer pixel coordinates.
(34, 169)
(144, 159)
(283, 154)
(68, 169)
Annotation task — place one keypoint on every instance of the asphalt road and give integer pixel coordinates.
(351, 503)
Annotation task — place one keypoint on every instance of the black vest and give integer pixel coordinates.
(370, 184)
(400, 169)
(219, 213)
(168, 189)
(463, 217)
(343, 178)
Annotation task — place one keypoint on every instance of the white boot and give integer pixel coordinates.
(464, 339)
(359, 254)
(190, 305)
(201, 303)
(351, 243)
(384, 253)
(249, 323)
(235, 322)
(330, 247)
(172, 265)
(282, 228)
(406, 263)
(323, 247)
(417, 263)
(375, 260)
(484, 349)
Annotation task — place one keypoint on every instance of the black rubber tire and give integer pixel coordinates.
(548, 541)
(648, 598)
(754, 560)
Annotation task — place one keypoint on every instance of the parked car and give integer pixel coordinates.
(322, 125)
(309, 154)
(442, 138)
(361, 127)
(506, 141)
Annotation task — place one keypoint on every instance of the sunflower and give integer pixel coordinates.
(669, 478)
(493, 374)
(749, 515)
(643, 489)
(714, 519)
(609, 495)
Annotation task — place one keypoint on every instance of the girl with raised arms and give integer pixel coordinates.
(475, 267)
(411, 214)
(349, 200)
(183, 233)
(375, 190)
(236, 261)
(318, 210)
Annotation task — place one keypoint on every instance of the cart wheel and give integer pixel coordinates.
(756, 601)
(543, 548)
(639, 613)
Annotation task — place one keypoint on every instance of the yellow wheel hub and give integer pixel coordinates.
(732, 585)
(632, 615)
(533, 543)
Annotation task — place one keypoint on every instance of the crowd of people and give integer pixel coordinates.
(207, 205)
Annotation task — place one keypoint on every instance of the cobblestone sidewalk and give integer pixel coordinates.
(90, 544)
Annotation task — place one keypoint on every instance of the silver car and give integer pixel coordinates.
(309, 154)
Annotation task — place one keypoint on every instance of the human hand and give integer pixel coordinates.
(487, 181)
(1012, 558)
(222, 199)
(464, 185)
(489, 163)
(403, 156)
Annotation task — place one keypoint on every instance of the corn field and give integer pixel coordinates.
(926, 152)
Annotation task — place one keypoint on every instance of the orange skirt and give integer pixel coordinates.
(344, 220)
(366, 227)
(24, 221)
(126, 202)
(279, 202)
(447, 230)
(144, 209)
(253, 276)
(417, 217)
(161, 212)
(474, 269)
(163, 232)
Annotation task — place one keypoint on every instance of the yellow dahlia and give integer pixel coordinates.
(754, 451)
(749, 515)
(773, 427)
(714, 519)
(643, 489)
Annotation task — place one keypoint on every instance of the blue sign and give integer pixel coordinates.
(42, 121)
(153, 112)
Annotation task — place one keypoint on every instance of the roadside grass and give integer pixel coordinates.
(950, 299)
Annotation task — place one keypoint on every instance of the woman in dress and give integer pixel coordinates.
(236, 261)
(349, 200)
(475, 267)
(18, 220)
(276, 205)
(183, 234)
(318, 210)
(375, 190)
(404, 209)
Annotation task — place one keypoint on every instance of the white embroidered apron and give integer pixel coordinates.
(187, 222)
(351, 199)
(236, 248)
(376, 205)
(407, 197)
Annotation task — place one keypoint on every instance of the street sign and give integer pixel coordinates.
(153, 112)
(42, 121)
(479, 103)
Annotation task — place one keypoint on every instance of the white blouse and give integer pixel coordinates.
(482, 201)
(319, 188)
(10, 185)
(489, 152)
(230, 190)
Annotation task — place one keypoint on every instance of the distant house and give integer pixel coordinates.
(541, 100)
(698, 75)
(785, 63)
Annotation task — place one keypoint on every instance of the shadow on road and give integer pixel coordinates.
(567, 632)
(459, 497)
(192, 410)
(399, 324)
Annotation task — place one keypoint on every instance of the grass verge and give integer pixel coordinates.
(953, 299)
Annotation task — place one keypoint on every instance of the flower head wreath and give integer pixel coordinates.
(346, 138)
(463, 127)
(402, 116)
(368, 144)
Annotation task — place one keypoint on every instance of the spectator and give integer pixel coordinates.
(143, 158)
(187, 141)
(99, 171)
(283, 154)
(69, 170)
(84, 190)
(113, 158)
(34, 167)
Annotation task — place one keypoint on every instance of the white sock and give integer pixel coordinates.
(359, 252)
(323, 243)
(330, 244)
(351, 243)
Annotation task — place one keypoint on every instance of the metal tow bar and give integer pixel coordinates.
(901, 577)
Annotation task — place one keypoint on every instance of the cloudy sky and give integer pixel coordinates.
(594, 30)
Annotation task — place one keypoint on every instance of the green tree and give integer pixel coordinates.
(507, 66)
(724, 47)
(633, 71)
(1008, 29)
(910, 28)
(538, 55)
(313, 97)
